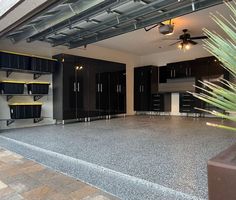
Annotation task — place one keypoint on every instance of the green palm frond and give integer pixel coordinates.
(221, 94)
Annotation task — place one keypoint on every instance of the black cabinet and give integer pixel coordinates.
(161, 102)
(102, 93)
(188, 103)
(87, 89)
(143, 77)
(117, 92)
(208, 67)
(177, 70)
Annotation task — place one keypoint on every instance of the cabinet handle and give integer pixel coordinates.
(140, 90)
(98, 87)
(120, 88)
(101, 87)
(74, 86)
(78, 87)
(143, 88)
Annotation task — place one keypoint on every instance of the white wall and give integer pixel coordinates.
(161, 59)
(44, 49)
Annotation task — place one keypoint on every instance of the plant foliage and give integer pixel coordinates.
(221, 94)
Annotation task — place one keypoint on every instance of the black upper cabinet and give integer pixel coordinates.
(143, 86)
(86, 88)
(207, 67)
(179, 70)
(200, 68)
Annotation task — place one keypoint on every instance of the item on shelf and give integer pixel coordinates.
(42, 65)
(14, 61)
(12, 87)
(38, 87)
(11, 61)
(25, 110)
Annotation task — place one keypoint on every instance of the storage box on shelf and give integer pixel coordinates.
(25, 110)
(38, 87)
(15, 62)
(16, 88)
(12, 87)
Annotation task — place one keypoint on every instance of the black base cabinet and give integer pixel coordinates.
(85, 88)
(161, 102)
(188, 103)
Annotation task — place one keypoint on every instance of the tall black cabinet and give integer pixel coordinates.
(85, 88)
(143, 83)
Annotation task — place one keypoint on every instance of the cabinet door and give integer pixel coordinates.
(145, 89)
(121, 92)
(214, 67)
(114, 92)
(79, 93)
(181, 70)
(69, 91)
(200, 68)
(163, 74)
(104, 93)
(169, 71)
(137, 89)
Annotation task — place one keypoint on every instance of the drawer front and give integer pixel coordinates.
(157, 103)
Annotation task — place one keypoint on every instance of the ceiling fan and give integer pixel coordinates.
(185, 40)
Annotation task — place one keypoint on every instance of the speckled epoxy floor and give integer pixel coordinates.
(137, 157)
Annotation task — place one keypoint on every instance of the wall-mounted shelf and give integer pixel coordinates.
(36, 74)
(36, 97)
(11, 121)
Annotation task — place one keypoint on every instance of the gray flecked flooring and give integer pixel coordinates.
(137, 157)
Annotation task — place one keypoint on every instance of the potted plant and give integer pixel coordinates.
(222, 168)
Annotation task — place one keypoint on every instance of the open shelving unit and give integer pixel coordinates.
(36, 74)
(36, 97)
(12, 62)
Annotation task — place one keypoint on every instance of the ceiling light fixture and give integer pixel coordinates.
(184, 46)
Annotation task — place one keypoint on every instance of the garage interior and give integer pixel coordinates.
(101, 91)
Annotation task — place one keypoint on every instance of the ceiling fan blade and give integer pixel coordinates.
(192, 42)
(175, 43)
(170, 39)
(199, 38)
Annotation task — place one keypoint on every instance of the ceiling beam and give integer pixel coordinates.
(103, 6)
(45, 7)
(65, 12)
(117, 20)
(178, 11)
